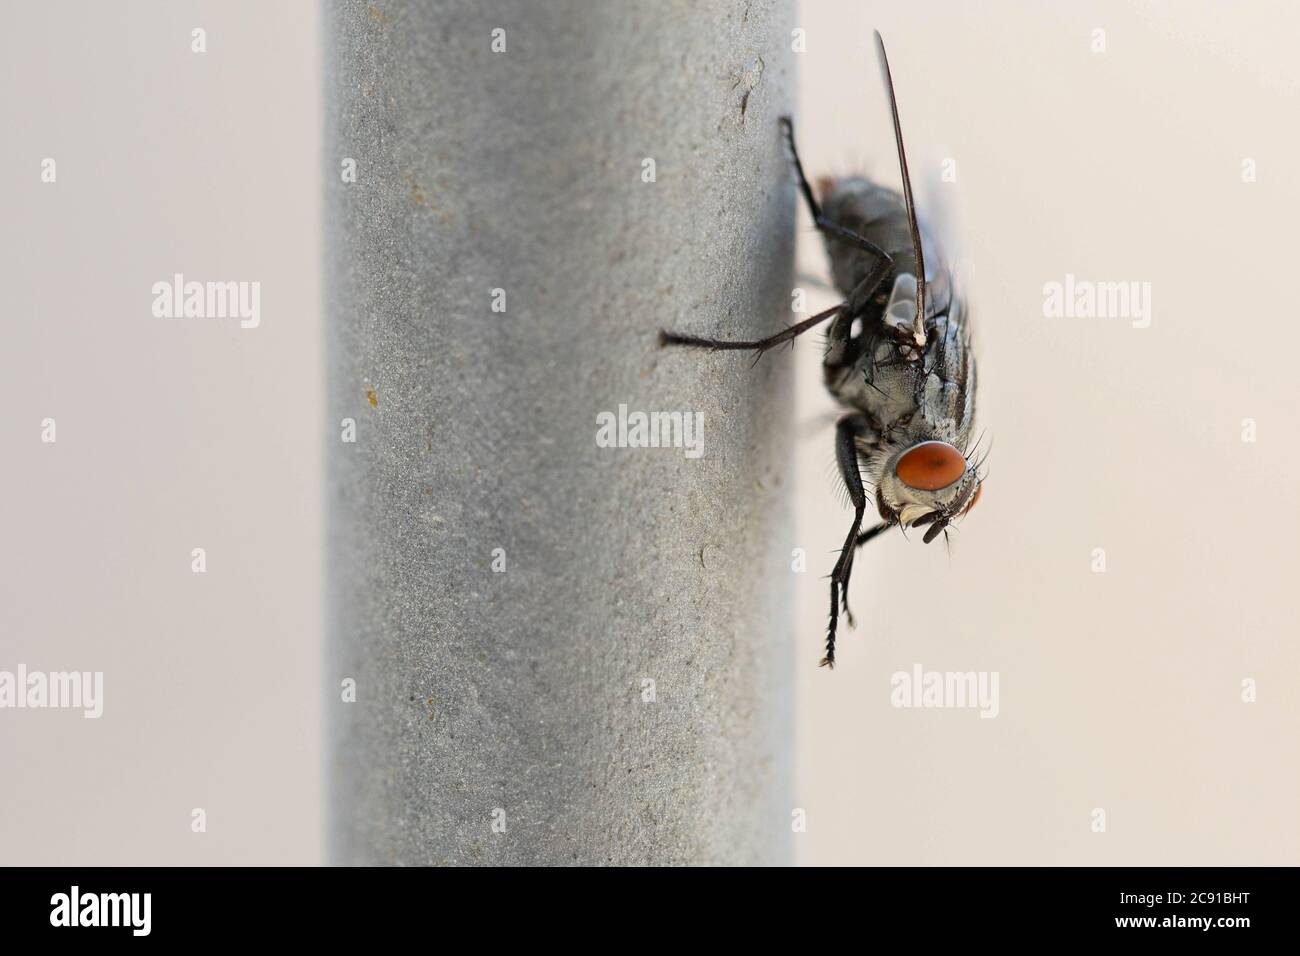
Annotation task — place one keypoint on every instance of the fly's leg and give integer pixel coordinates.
(822, 223)
(760, 345)
(873, 532)
(845, 310)
(838, 351)
(839, 341)
(846, 454)
(862, 539)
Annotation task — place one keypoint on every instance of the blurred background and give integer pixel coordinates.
(1122, 690)
(1154, 151)
(171, 435)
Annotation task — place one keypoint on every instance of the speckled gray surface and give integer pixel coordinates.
(519, 697)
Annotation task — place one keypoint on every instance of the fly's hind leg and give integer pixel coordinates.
(822, 223)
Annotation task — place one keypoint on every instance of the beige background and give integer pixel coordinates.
(1118, 690)
(172, 434)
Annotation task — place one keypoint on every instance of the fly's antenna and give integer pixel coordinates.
(918, 323)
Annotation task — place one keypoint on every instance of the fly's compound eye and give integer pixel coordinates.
(930, 466)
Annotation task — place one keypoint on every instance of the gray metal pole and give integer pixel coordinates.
(561, 653)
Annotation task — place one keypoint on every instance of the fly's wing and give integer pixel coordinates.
(949, 319)
(939, 239)
(918, 326)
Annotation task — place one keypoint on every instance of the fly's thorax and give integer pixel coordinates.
(924, 483)
(886, 390)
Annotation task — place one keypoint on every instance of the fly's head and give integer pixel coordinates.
(927, 483)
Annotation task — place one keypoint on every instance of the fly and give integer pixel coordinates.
(905, 376)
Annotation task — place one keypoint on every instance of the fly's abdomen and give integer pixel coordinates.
(873, 212)
(879, 214)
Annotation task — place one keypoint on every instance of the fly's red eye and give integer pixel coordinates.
(979, 490)
(930, 466)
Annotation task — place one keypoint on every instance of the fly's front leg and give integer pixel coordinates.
(873, 532)
(846, 454)
(863, 538)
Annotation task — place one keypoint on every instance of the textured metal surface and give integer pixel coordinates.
(519, 696)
